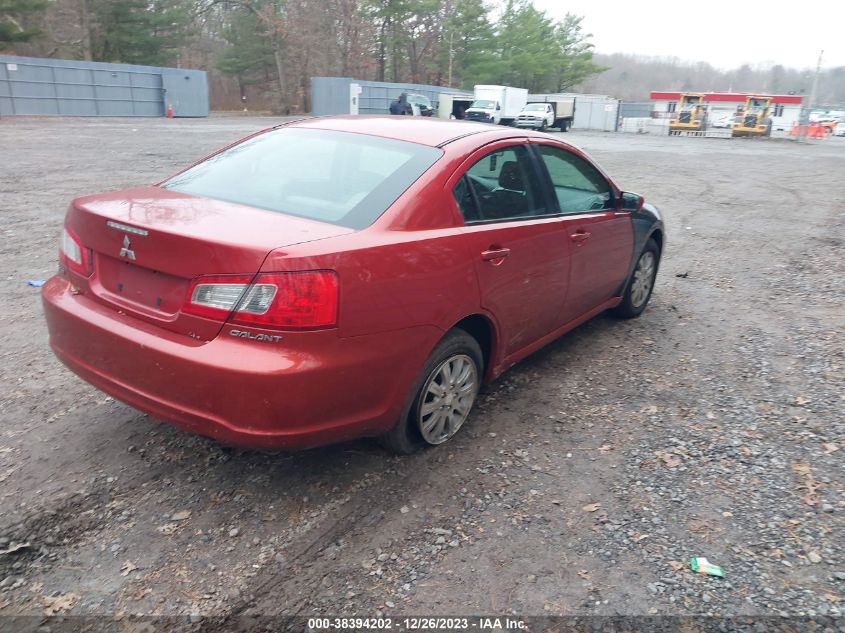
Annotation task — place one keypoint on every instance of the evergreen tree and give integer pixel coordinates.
(575, 62)
(468, 54)
(527, 45)
(13, 14)
(249, 54)
(139, 31)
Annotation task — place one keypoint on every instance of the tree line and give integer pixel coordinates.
(263, 53)
(632, 77)
(267, 50)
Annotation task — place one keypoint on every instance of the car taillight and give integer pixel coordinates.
(300, 300)
(73, 255)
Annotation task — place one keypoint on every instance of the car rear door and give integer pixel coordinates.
(600, 233)
(520, 249)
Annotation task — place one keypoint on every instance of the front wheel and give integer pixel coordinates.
(543, 126)
(641, 284)
(442, 396)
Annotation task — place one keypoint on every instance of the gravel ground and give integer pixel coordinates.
(585, 480)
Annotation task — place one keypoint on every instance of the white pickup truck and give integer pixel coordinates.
(547, 114)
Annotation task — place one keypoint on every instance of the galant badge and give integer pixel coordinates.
(126, 251)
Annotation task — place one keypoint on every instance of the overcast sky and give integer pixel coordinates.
(776, 32)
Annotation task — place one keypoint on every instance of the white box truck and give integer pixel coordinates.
(496, 104)
(541, 115)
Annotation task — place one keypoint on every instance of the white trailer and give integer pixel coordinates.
(497, 104)
(452, 106)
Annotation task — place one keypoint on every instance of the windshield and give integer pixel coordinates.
(336, 177)
(484, 104)
(535, 106)
(756, 105)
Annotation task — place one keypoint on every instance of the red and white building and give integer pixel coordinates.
(785, 108)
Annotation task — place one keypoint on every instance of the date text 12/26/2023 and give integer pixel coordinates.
(416, 623)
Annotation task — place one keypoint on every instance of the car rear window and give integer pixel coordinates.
(337, 177)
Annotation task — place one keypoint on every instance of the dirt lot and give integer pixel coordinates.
(586, 478)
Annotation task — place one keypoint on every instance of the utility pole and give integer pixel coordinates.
(451, 55)
(804, 117)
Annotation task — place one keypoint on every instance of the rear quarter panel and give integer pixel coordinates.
(400, 291)
(391, 281)
(408, 269)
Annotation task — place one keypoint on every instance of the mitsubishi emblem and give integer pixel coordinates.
(126, 251)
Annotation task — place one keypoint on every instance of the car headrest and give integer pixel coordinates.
(511, 176)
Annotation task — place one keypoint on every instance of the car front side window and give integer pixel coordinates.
(502, 185)
(578, 186)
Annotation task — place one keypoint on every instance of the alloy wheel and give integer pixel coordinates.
(447, 398)
(643, 279)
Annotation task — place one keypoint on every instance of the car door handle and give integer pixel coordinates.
(579, 237)
(492, 254)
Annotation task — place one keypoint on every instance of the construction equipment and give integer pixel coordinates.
(692, 114)
(754, 119)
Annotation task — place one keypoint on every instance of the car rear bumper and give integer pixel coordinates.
(308, 389)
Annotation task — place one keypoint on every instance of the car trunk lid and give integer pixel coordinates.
(147, 244)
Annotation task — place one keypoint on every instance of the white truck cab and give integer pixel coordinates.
(487, 110)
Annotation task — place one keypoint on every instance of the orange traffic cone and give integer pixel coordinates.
(169, 111)
(794, 130)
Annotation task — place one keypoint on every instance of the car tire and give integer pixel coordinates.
(543, 126)
(641, 283)
(416, 428)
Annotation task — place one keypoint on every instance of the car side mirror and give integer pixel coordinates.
(631, 201)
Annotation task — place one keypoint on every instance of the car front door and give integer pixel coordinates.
(600, 233)
(520, 247)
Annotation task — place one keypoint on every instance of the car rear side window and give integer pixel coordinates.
(337, 177)
(579, 186)
(502, 185)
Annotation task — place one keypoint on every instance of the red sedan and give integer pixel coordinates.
(343, 277)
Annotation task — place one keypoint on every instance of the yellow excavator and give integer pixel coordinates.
(692, 114)
(754, 119)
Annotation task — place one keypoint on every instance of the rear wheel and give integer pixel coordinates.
(641, 284)
(442, 396)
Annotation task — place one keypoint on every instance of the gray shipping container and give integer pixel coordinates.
(63, 87)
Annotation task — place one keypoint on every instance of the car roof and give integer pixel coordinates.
(421, 130)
